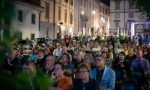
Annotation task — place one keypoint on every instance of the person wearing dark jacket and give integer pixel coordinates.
(12, 63)
(85, 82)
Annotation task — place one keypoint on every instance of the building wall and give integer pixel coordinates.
(26, 26)
(126, 14)
(88, 23)
(52, 24)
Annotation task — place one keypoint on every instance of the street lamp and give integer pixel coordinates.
(103, 20)
(93, 12)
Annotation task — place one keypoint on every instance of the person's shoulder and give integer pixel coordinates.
(67, 79)
(145, 60)
(135, 60)
(93, 70)
(109, 69)
(93, 80)
(77, 81)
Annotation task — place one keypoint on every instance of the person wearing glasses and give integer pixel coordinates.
(85, 82)
(103, 74)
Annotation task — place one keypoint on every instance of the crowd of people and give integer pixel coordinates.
(87, 64)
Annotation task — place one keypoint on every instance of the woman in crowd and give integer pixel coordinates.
(88, 60)
(108, 61)
(29, 68)
(76, 61)
(85, 82)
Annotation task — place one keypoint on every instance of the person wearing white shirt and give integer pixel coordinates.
(58, 51)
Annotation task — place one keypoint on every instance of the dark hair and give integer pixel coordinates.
(122, 53)
(59, 63)
(99, 55)
(82, 65)
(40, 50)
(68, 56)
(51, 56)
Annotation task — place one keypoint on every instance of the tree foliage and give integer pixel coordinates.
(19, 81)
(143, 5)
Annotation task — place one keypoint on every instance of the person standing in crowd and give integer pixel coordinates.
(88, 60)
(49, 64)
(140, 67)
(140, 62)
(40, 57)
(66, 40)
(66, 59)
(108, 62)
(105, 75)
(76, 61)
(12, 63)
(146, 53)
(85, 82)
(62, 82)
(121, 66)
(29, 68)
(58, 51)
(33, 56)
(131, 55)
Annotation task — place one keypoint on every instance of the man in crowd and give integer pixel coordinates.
(105, 76)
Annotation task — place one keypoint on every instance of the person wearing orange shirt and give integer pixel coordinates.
(62, 82)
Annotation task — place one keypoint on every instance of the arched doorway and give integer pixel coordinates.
(133, 27)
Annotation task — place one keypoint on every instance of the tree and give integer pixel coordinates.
(143, 5)
(19, 81)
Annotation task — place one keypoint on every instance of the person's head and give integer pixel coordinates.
(88, 59)
(13, 53)
(65, 59)
(58, 45)
(41, 53)
(139, 54)
(104, 54)
(99, 61)
(131, 51)
(29, 67)
(30, 47)
(78, 56)
(105, 48)
(58, 69)
(83, 70)
(46, 51)
(146, 51)
(121, 55)
(35, 51)
(49, 61)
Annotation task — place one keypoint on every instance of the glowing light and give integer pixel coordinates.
(82, 12)
(70, 30)
(103, 20)
(132, 29)
(93, 12)
(62, 27)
